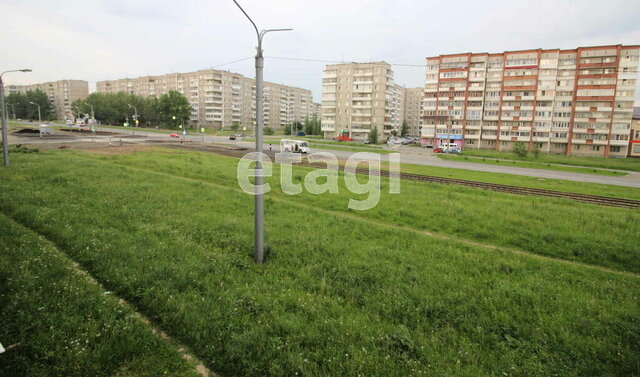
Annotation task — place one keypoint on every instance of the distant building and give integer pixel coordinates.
(574, 102)
(316, 110)
(359, 97)
(413, 109)
(634, 142)
(61, 93)
(220, 98)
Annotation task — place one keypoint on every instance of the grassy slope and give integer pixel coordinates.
(337, 297)
(594, 162)
(532, 165)
(63, 324)
(604, 236)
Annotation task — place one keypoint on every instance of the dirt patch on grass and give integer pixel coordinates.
(120, 149)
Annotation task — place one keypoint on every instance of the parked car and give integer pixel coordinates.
(173, 134)
(367, 141)
(438, 150)
(453, 150)
(232, 137)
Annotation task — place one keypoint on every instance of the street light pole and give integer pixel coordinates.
(135, 109)
(39, 114)
(93, 114)
(5, 127)
(259, 196)
(13, 110)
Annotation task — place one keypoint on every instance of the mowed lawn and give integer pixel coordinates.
(343, 293)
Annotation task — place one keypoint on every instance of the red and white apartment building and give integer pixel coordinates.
(574, 102)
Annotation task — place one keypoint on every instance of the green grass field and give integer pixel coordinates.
(532, 165)
(60, 323)
(342, 292)
(629, 164)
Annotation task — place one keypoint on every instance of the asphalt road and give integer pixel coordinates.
(408, 155)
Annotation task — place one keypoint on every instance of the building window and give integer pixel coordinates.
(614, 149)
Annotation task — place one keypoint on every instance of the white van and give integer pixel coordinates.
(294, 146)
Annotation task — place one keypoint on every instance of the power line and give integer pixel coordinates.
(337, 61)
(231, 62)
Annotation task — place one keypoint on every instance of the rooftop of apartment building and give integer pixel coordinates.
(206, 70)
(532, 50)
(357, 63)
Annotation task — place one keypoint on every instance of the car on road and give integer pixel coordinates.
(232, 137)
(173, 134)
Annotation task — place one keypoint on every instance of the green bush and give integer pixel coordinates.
(520, 149)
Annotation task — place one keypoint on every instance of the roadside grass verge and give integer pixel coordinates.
(629, 164)
(349, 148)
(60, 323)
(337, 296)
(532, 165)
(524, 181)
(560, 228)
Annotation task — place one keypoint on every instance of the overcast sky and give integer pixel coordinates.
(98, 40)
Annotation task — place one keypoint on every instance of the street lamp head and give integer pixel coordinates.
(25, 70)
(33, 103)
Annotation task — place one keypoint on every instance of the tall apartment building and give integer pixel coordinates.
(576, 102)
(413, 109)
(316, 110)
(634, 142)
(358, 97)
(220, 98)
(61, 94)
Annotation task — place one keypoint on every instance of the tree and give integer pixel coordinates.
(405, 129)
(373, 136)
(173, 109)
(39, 98)
(268, 131)
(17, 104)
(520, 149)
(235, 126)
(308, 126)
(536, 151)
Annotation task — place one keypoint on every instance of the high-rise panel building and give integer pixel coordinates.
(61, 94)
(634, 142)
(413, 109)
(574, 102)
(359, 97)
(220, 98)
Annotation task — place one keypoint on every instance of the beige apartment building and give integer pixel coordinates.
(220, 98)
(316, 110)
(413, 109)
(574, 102)
(61, 93)
(358, 97)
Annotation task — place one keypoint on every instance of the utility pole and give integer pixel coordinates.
(259, 196)
(5, 127)
(39, 114)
